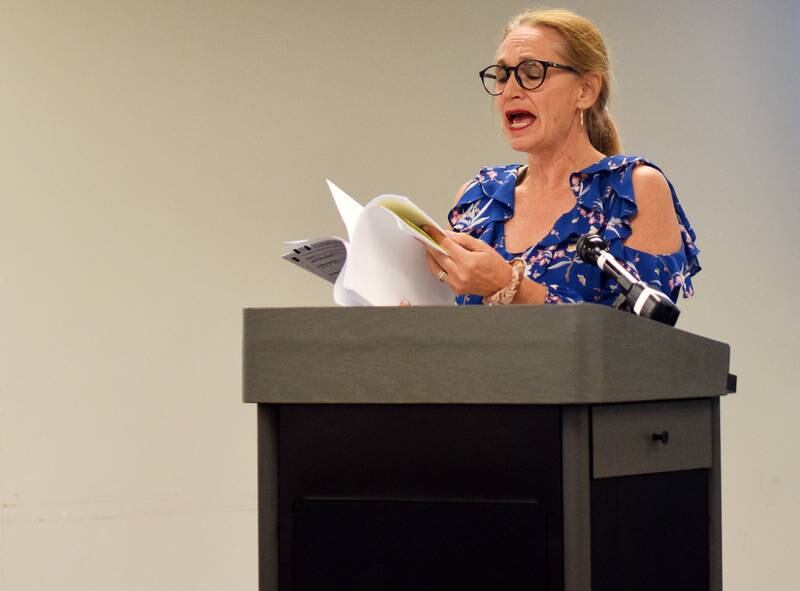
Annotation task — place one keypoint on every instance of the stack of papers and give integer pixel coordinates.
(384, 260)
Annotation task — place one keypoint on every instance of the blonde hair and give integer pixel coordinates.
(585, 50)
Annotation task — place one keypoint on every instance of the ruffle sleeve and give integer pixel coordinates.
(670, 272)
(487, 200)
(486, 203)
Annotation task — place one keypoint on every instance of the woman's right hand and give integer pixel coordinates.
(470, 267)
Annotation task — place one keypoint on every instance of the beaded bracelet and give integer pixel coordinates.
(506, 294)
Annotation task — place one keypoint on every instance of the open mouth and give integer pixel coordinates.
(519, 119)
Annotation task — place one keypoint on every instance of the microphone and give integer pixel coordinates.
(640, 298)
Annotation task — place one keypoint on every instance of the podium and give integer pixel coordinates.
(569, 447)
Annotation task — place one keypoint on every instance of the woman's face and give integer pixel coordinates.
(540, 119)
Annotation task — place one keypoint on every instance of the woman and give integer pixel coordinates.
(515, 227)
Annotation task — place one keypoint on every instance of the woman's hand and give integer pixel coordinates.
(473, 267)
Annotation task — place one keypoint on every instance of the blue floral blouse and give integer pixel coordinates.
(604, 204)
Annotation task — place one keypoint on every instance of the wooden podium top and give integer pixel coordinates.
(565, 354)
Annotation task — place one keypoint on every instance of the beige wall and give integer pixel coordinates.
(153, 155)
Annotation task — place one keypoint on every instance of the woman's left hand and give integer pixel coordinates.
(473, 267)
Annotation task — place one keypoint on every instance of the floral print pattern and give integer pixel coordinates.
(604, 203)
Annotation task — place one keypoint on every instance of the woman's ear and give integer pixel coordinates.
(589, 90)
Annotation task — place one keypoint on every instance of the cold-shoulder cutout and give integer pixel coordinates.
(654, 228)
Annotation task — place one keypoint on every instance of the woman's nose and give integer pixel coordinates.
(512, 87)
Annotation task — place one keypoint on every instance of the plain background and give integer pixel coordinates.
(153, 154)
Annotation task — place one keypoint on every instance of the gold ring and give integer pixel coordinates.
(442, 275)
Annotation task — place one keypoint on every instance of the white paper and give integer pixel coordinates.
(410, 218)
(386, 265)
(385, 260)
(324, 257)
(349, 208)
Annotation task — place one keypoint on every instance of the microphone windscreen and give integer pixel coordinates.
(589, 247)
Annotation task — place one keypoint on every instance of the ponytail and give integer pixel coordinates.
(602, 132)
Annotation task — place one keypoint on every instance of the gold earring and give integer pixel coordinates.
(581, 117)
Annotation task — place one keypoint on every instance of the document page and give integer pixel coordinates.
(386, 264)
(349, 208)
(382, 262)
(324, 257)
(412, 216)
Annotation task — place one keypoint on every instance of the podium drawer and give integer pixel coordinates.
(629, 439)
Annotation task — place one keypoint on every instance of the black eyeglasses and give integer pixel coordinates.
(530, 75)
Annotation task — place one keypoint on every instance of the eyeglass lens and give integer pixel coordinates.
(530, 74)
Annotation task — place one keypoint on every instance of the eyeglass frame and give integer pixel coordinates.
(508, 69)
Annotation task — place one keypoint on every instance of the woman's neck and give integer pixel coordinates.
(550, 169)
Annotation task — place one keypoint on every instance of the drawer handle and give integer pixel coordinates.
(663, 437)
